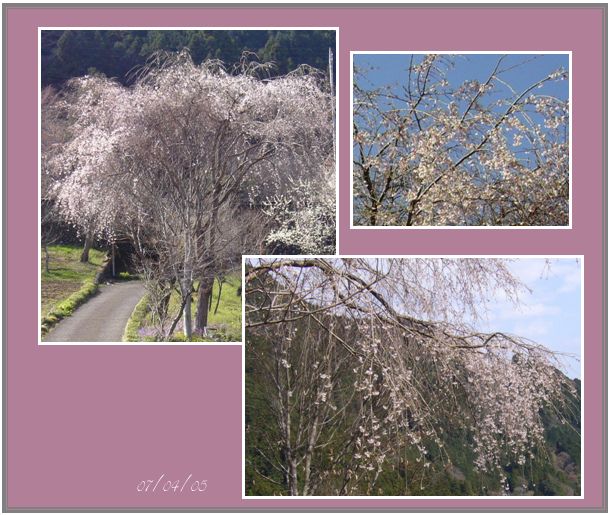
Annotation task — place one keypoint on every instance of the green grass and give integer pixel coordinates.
(228, 317)
(135, 321)
(224, 326)
(68, 283)
(126, 276)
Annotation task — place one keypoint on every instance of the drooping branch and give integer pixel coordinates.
(349, 335)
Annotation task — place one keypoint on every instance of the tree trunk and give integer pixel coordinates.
(84, 257)
(46, 258)
(164, 306)
(188, 326)
(291, 460)
(313, 438)
(203, 304)
(113, 260)
(220, 283)
(175, 322)
(294, 485)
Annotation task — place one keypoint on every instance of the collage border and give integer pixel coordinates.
(604, 239)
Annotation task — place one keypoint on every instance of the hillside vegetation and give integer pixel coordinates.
(554, 469)
(67, 283)
(72, 53)
(357, 383)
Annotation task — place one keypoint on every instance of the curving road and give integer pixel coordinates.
(102, 318)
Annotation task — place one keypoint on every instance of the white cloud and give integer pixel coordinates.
(533, 329)
(529, 270)
(571, 282)
(538, 309)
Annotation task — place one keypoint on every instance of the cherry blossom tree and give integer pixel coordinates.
(365, 362)
(188, 159)
(432, 152)
(305, 215)
(94, 111)
(52, 136)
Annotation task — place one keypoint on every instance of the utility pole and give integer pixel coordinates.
(113, 259)
(331, 70)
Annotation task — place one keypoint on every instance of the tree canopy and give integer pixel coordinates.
(195, 164)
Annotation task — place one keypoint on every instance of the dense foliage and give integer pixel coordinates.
(72, 53)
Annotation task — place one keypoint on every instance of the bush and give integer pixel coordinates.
(135, 321)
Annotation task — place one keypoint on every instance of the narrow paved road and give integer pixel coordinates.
(102, 318)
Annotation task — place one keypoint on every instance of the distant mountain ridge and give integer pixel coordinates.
(73, 53)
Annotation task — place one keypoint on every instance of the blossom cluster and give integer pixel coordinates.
(477, 153)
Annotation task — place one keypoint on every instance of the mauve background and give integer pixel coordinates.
(86, 424)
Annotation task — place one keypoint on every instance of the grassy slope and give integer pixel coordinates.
(225, 325)
(229, 309)
(68, 283)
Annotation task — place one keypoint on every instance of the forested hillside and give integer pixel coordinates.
(73, 53)
(554, 469)
(345, 395)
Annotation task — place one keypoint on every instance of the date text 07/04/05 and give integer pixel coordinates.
(175, 486)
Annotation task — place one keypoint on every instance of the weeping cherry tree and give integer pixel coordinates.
(365, 364)
(190, 162)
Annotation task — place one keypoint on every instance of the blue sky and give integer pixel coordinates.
(522, 70)
(517, 72)
(386, 76)
(550, 314)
